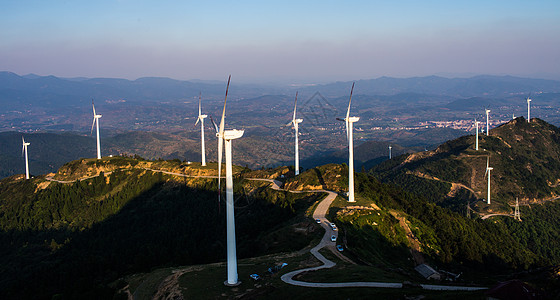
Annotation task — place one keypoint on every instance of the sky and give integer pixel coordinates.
(280, 41)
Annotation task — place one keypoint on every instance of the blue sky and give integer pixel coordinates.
(286, 41)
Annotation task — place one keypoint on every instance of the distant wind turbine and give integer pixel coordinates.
(96, 118)
(24, 150)
(225, 136)
(488, 169)
(349, 121)
(476, 124)
(295, 122)
(390, 152)
(529, 109)
(487, 121)
(201, 119)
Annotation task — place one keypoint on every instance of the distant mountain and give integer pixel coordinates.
(525, 157)
(40, 90)
(491, 86)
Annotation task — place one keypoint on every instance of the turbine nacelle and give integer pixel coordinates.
(352, 119)
(200, 118)
(231, 134)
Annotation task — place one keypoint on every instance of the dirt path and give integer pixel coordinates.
(415, 246)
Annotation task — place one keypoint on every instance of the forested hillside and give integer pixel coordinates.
(76, 238)
(525, 158)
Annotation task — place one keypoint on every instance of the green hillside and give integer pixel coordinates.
(525, 158)
(116, 222)
(75, 238)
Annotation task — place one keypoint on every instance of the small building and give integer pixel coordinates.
(427, 272)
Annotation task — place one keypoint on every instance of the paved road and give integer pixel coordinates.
(320, 213)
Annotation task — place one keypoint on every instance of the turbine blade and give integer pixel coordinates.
(93, 124)
(93, 106)
(339, 119)
(198, 119)
(347, 130)
(23, 145)
(224, 110)
(295, 106)
(220, 150)
(350, 101)
(215, 126)
(221, 140)
(199, 104)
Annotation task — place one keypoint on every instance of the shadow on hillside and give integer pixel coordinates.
(167, 224)
(320, 177)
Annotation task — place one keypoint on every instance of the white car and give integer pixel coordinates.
(318, 221)
(333, 238)
(339, 248)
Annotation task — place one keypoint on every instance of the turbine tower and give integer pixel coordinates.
(24, 149)
(225, 137)
(488, 169)
(528, 110)
(487, 122)
(295, 122)
(476, 143)
(201, 119)
(390, 152)
(349, 121)
(96, 123)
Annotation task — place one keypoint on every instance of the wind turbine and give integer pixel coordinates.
(476, 124)
(487, 121)
(390, 152)
(24, 149)
(488, 169)
(349, 121)
(96, 122)
(529, 109)
(295, 122)
(225, 137)
(201, 119)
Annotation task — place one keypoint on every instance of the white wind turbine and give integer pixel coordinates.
(487, 121)
(528, 109)
(488, 169)
(476, 124)
(24, 150)
(390, 152)
(349, 121)
(96, 123)
(225, 136)
(295, 122)
(201, 119)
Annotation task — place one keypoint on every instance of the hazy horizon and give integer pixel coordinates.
(286, 42)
